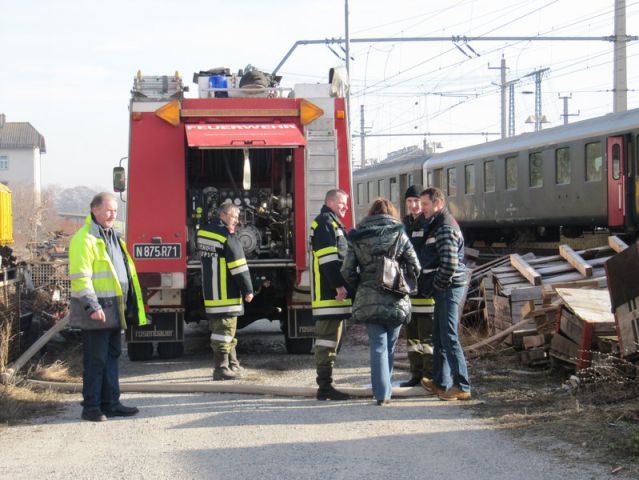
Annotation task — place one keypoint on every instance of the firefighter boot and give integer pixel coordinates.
(427, 358)
(234, 363)
(416, 370)
(326, 391)
(221, 370)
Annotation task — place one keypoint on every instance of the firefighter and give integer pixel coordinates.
(225, 280)
(330, 299)
(419, 330)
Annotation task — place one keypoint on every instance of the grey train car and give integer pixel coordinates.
(576, 177)
(387, 179)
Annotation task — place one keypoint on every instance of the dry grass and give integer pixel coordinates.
(599, 416)
(20, 401)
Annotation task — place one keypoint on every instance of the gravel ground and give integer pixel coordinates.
(223, 436)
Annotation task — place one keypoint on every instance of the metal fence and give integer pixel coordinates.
(51, 277)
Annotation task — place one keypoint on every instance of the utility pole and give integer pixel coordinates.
(502, 87)
(362, 137)
(538, 120)
(511, 108)
(620, 88)
(565, 115)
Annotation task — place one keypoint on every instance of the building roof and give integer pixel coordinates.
(20, 135)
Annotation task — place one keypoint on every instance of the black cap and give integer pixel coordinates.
(413, 191)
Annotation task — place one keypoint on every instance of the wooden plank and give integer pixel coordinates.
(533, 341)
(567, 349)
(575, 260)
(627, 320)
(617, 244)
(525, 293)
(590, 305)
(526, 270)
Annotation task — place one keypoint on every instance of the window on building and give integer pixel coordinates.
(489, 176)
(469, 179)
(451, 187)
(380, 188)
(4, 162)
(511, 173)
(594, 162)
(562, 166)
(360, 194)
(393, 190)
(536, 169)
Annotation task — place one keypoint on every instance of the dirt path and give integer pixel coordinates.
(222, 436)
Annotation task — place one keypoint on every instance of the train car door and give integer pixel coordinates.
(616, 188)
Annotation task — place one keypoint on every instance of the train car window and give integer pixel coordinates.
(360, 194)
(411, 179)
(535, 164)
(380, 188)
(594, 162)
(438, 180)
(393, 190)
(371, 192)
(489, 176)
(562, 166)
(451, 188)
(429, 179)
(616, 161)
(469, 179)
(511, 173)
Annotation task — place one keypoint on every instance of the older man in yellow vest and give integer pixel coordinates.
(105, 292)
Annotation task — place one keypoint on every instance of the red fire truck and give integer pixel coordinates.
(272, 151)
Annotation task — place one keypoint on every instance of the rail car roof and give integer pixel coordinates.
(607, 124)
(385, 169)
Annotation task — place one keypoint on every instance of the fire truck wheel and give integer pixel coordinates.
(139, 351)
(298, 346)
(170, 349)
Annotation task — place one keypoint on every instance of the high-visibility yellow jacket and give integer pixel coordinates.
(95, 283)
(329, 247)
(225, 273)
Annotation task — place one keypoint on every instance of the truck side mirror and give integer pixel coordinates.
(119, 179)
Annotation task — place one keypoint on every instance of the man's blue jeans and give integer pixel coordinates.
(449, 364)
(381, 345)
(100, 377)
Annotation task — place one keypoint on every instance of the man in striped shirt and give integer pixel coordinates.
(443, 257)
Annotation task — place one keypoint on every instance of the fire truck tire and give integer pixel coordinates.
(170, 349)
(139, 352)
(298, 346)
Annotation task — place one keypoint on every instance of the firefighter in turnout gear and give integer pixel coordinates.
(225, 280)
(330, 299)
(419, 330)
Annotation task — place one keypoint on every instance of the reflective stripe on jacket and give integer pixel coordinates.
(329, 247)
(95, 283)
(225, 273)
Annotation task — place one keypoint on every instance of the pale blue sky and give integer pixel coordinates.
(67, 66)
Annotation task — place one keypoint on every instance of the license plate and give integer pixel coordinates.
(157, 250)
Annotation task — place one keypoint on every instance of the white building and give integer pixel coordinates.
(21, 147)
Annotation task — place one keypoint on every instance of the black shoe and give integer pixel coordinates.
(121, 411)
(93, 416)
(383, 403)
(411, 383)
(329, 393)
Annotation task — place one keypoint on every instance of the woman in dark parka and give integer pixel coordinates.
(382, 312)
